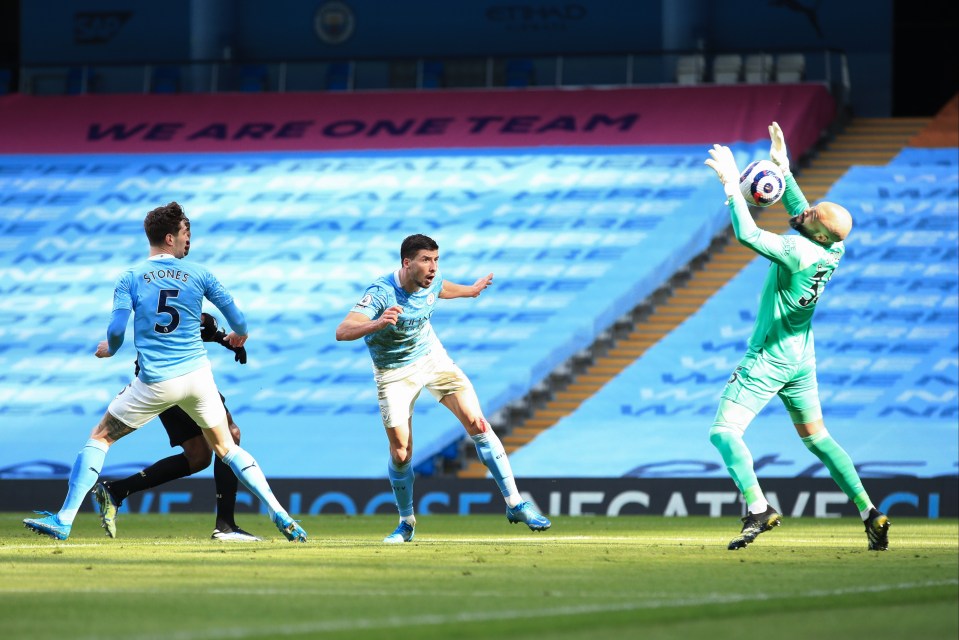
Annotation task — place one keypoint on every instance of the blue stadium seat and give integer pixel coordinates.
(432, 74)
(254, 78)
(166, 79)
(80, 80)
(519, 72)
(338, 76)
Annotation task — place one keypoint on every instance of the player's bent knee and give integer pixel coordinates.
(401, 454)
(198, 453)
(401, 458)
(731, 418)
(479, 425)
(720, 436)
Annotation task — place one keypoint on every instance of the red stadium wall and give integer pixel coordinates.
(145, 123)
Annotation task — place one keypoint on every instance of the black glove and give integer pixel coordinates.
(208, 327)
(209, 332)
(239, 353)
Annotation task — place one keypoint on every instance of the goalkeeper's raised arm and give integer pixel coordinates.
(794, 200)
(770, 245)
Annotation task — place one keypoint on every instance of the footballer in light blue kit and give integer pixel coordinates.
(165, 295)
(393, 318)
(412, 336)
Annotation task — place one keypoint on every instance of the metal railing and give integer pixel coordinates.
(829, 66)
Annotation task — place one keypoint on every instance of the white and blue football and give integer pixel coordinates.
(762, 183)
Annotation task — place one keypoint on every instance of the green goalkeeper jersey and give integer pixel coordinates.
(797, 276)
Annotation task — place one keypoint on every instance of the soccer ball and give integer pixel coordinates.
(762, 183)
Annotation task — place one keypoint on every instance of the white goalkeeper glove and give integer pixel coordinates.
(724, 164)
(777, 148)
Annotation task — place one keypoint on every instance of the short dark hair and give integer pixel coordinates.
(164, 220)
(414, 244)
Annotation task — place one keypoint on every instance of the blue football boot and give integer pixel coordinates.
(402, 533)
(49, 525)
(289, 527)
(524, 512)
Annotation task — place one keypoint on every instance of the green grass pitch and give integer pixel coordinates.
(479, 577)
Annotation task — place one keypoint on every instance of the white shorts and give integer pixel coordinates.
(194, 392)
(398, 389)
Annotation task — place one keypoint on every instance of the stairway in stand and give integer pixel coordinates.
(863, 141)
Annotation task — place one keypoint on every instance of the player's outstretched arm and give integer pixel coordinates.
(237, 322)
(794, 200)
(748, 234)
(452, 290)
(769, 245)
(356, 325)
(777, 148)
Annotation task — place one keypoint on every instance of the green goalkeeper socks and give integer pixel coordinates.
(739, 463)
(840, 466)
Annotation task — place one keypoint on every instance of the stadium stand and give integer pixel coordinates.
(872, 141)
(790, 67)
(330, 223)
(886, 337)
(943, 131)
(254, 78)
(338, 76)
(728, 68)
(758, 68)
(520, 72)
(574, 235)
(566, 268)
(690, 69)
(166, 79)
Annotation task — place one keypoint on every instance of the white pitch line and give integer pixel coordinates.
(401, 622)
(777, 541)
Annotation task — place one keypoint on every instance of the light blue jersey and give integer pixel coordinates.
(412, 336)
(166, 297)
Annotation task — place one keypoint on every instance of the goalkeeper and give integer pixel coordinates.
(781, 359)
(196, 456)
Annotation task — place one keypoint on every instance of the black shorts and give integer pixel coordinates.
(180, 426)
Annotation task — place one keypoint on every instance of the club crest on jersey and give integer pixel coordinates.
(430, 299)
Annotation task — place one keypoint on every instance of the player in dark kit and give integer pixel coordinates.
(196, 456)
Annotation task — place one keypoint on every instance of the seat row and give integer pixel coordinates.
(732, 68)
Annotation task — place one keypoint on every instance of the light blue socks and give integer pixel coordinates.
(491, 452)
(401, 479)
(85, 472)
(250, 474)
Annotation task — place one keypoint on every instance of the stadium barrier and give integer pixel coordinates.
(231, 123)
(678, 497)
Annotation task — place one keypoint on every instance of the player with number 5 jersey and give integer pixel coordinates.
(165, 295)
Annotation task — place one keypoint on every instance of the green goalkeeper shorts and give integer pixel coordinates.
(757, 379)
